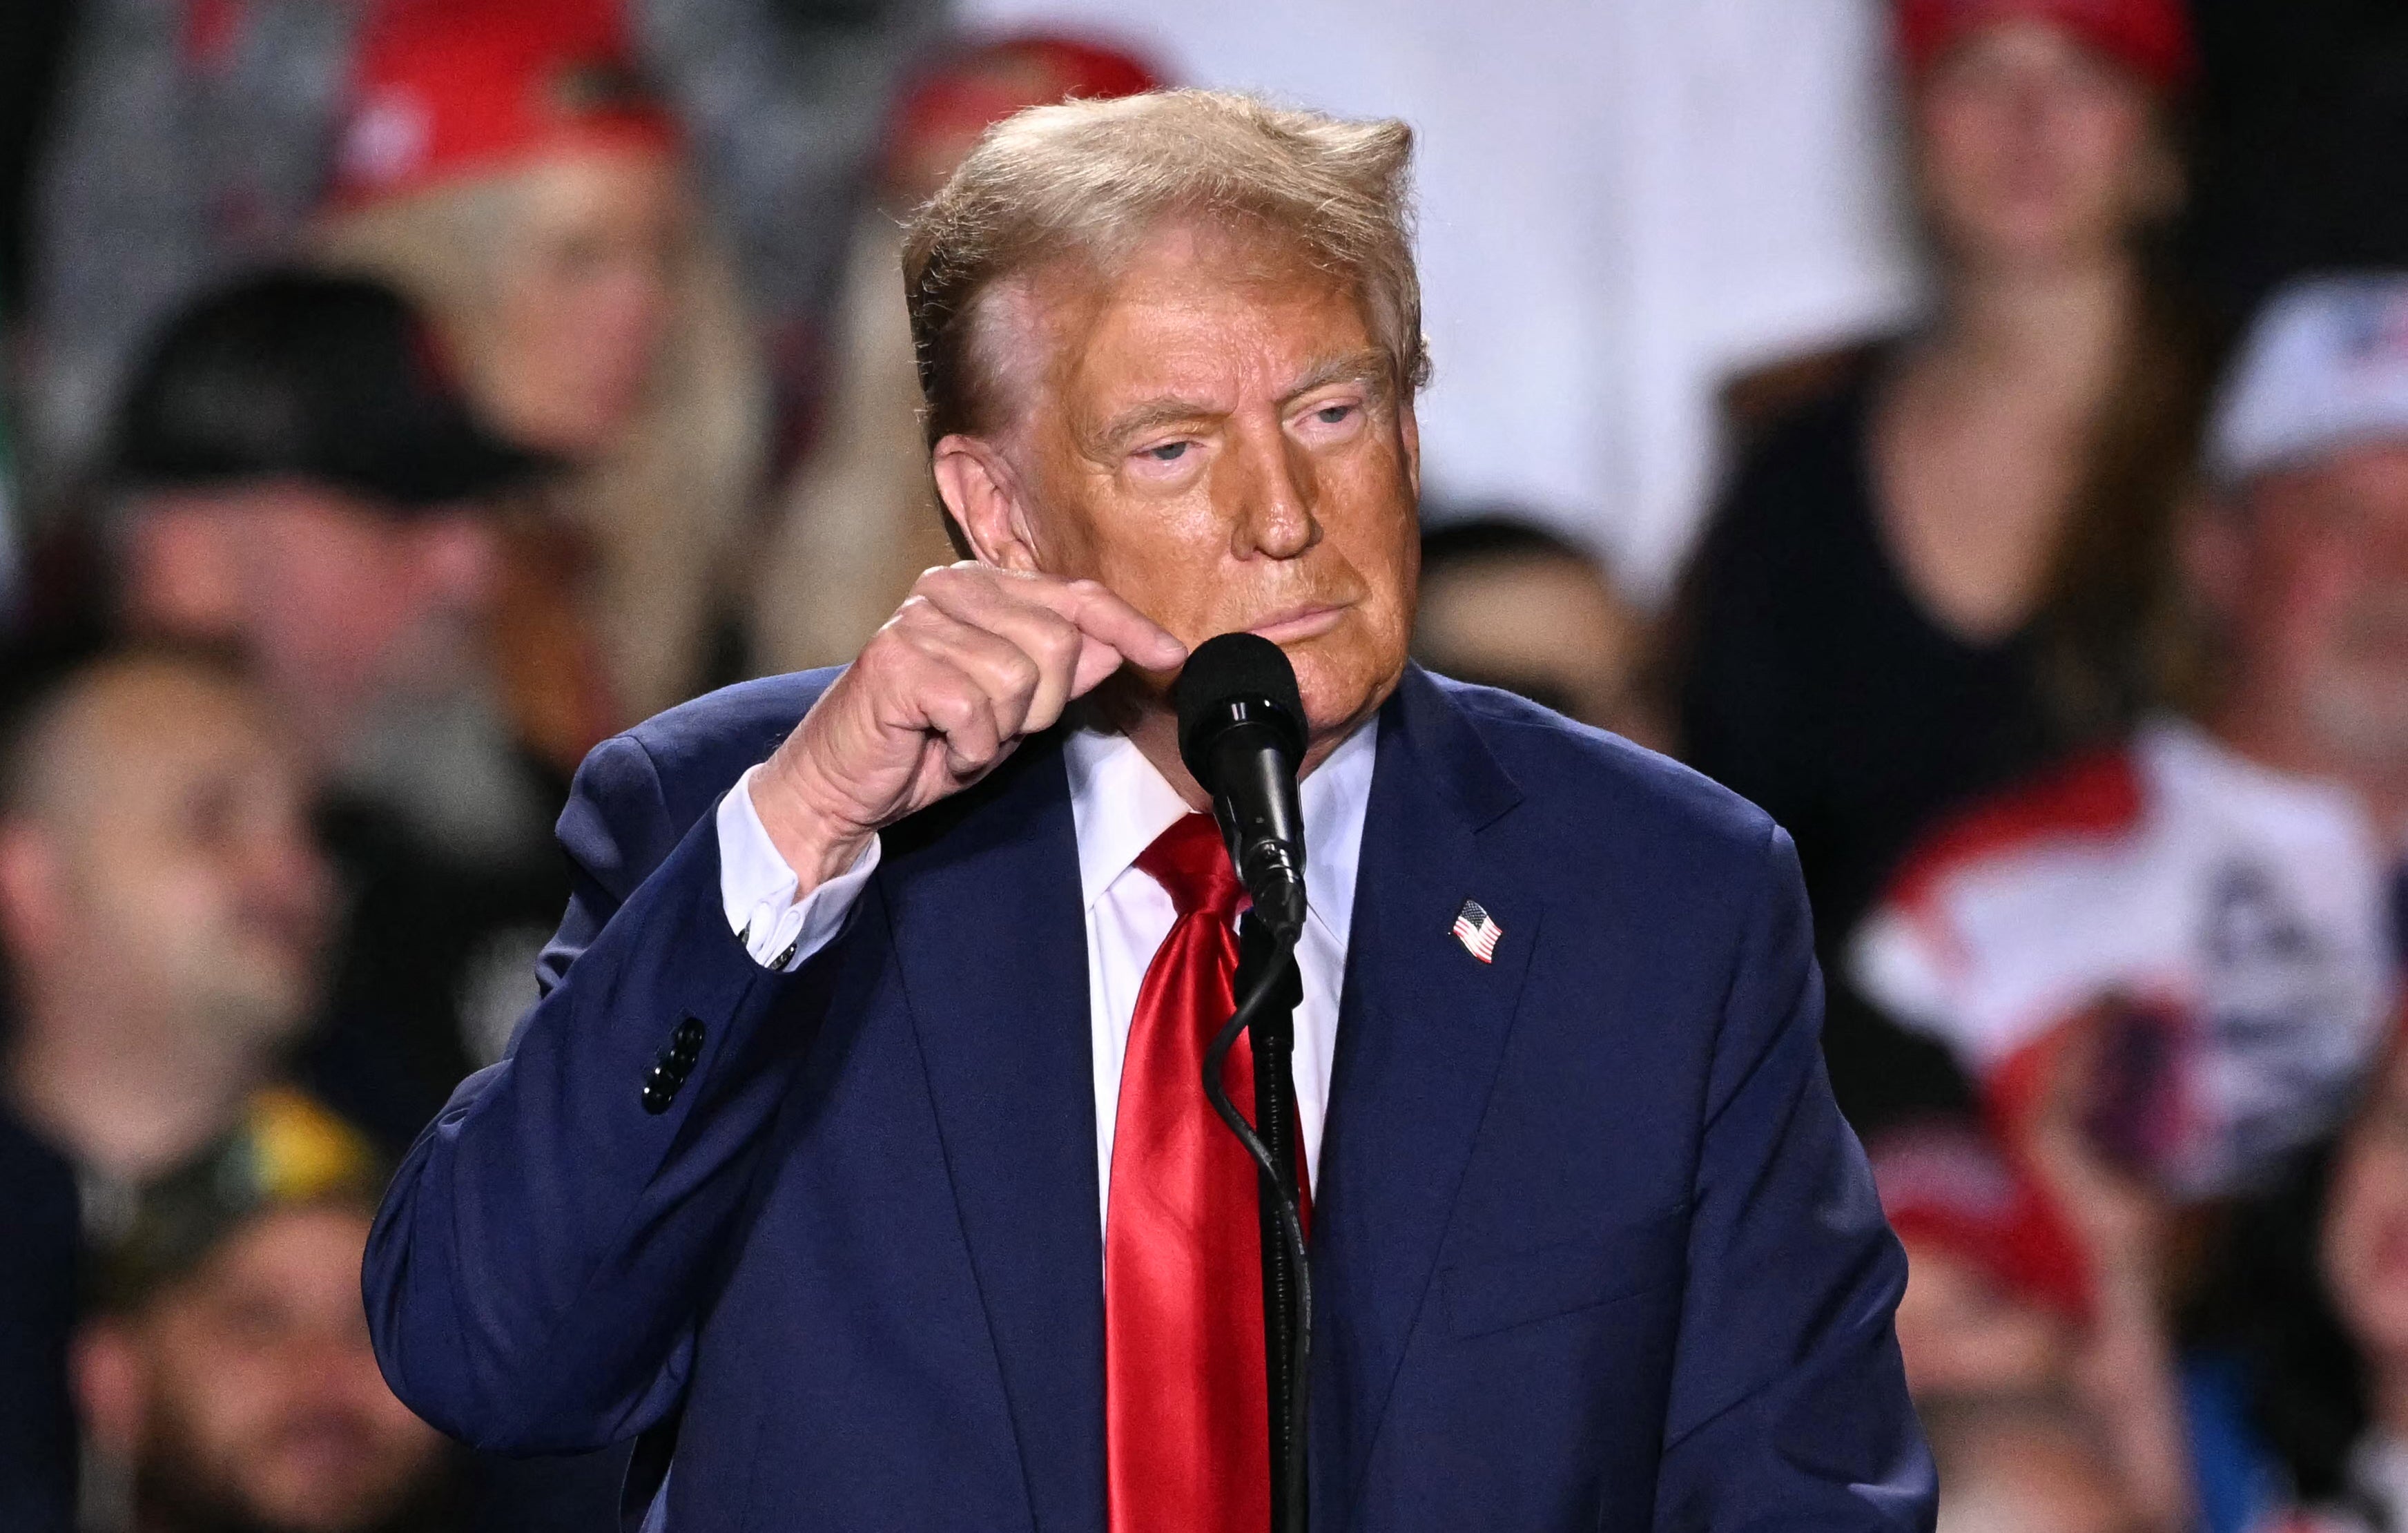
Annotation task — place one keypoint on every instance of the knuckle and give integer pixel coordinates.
(1022, 671)
(949, 700)
(1061, 645)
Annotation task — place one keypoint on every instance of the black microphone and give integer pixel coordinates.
(1242, 734)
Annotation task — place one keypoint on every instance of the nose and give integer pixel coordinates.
(1276, 493)
(463, 557)
(287, 873)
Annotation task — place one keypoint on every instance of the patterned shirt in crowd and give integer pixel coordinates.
(2228, 925)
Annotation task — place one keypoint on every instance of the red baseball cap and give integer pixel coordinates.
(2151, 37)
(964, 93)
(1947, 1185)
(447, 89)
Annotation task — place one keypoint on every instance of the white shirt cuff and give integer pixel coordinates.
(757, 888)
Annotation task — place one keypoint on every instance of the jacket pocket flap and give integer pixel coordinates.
(1503, 1292)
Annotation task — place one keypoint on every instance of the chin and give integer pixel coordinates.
(1340, 683)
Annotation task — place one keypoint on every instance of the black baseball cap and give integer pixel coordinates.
(306, 375)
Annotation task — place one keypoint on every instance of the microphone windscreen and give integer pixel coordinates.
(1230, 668)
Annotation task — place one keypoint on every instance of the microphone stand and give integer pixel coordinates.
(1271, 1036)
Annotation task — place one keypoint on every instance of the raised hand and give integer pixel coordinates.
(974, 661)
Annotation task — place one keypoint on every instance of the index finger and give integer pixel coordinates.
(1112, 627)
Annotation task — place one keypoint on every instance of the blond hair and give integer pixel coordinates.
(1084, 181)
(666, 509)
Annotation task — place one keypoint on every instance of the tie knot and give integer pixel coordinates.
(1190, 861)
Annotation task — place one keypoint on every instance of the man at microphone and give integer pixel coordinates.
(857, 1158)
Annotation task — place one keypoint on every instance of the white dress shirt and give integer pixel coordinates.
(1118, 805)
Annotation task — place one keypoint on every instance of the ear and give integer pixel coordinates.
(112, 1387)
(29, 888)
(2213, 549)
(982, 495)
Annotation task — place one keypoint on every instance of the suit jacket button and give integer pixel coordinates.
(660, 1090)
(686, 1048)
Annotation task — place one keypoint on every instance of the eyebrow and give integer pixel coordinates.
(1369, 366)
(1139, 420)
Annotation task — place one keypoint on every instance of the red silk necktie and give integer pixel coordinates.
(1186, 1426)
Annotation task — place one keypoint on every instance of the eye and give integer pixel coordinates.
(1167, 452)
(1332, 415)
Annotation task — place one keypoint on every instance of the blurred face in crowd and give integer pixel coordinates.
(582, 298)
(335, 599)
(1962, 1331)
(245, 1396)
(2365, 1239)
(2309, 578)
(162, 852)
(2036, 150)
(1545, 625)
(1215, 435)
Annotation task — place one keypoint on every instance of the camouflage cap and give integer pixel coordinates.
(287, 1152)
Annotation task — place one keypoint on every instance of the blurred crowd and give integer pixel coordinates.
(403, 395)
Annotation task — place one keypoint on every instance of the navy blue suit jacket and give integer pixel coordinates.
(1592, 1247)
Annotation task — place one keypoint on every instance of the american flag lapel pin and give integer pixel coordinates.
(1478, 931)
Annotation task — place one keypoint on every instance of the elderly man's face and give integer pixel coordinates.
(1219, 439)
(2316, 597)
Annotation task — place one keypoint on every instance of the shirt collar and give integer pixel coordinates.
(1119, 804)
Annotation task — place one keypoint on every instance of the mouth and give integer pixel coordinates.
(1295, 626)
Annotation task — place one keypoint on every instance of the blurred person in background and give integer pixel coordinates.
(2180, 954)
(2026, 1463)
(861, 520)
(1995, 1299)
(186, 143)
(296, 476)
(2002, 1300)
(192, 142)
(2307, 1326)
(225, 1376)
(162, 905)
(1505, 603)
(2169, 963)
(162, 909)
(504, 163)
(1923, 583)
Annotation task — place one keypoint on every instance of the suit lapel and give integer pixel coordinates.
(1422, 1025)
(992, 937)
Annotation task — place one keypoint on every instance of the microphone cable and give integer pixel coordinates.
(1290, 1214)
